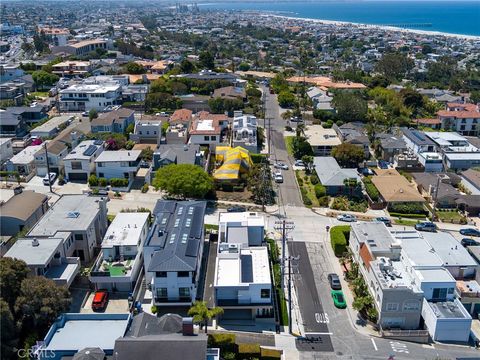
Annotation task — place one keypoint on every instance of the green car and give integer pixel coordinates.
(338, 299)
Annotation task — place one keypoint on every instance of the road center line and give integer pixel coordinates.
(374, 345)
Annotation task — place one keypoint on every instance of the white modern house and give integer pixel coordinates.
(121, 259)
(80, 220)
(244, 132)
(46, 257)
(242, 282)
(147, 131)
(245, 228)
(173, 252)
(85, 97)
(80, 163)
(122, 164)
(205, 132)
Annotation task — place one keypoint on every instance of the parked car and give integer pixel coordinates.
(470, 232)
(338, 299)
(296, 119)
(100, 300)
(278, 177)
(384, 220)
(49, 178)
(334, 281)
(347, 218)
(299, 163)
(365, 171)
(426, 226)
(469, 242)
(280, 165)
(236, 209)
(85, 113)
(382, 164)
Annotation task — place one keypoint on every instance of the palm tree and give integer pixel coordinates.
(202, 314)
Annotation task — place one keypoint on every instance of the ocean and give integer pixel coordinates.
(454, 17)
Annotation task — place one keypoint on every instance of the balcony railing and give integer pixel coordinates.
(183, 299)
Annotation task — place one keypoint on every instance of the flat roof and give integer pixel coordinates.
(472, 155)
(125, 229)
(317, 135)
(39, 255)
(246, 218)
(79, 331)
(52, 123)
(393, 275)
(26, 156)
(243, 266)
(449, 249)
(119, 155)
(417, 137)
(78, 153)
(418, 249)
(375, 235)
(91, 88)
(70, 213)
(435, 275)
(449, 310)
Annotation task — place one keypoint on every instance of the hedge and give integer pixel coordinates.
(226, 342)
(270, 354)
(414, 216)
(248, 350)
(371, 189)
(408, 208)
(119, 182)
(339, 236)
(258, 158)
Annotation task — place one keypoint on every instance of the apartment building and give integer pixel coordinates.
(121, 259)
(72, 68)
(80, 162)
(460, 117)
(80, 220)
(173, 252)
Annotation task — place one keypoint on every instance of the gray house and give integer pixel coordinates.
(167, 154)
(115, 121)
(333, 177)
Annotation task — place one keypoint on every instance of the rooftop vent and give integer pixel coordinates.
(35, 242)
(73, 214)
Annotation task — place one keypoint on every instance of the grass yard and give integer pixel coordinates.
(42, 94)
(405, 222)
(288, 144)
(450, 217)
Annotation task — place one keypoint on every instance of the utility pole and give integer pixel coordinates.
(434, 211)
(48, 166)
(290, 259)
(284, 225)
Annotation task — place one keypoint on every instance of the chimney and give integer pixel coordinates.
(35, 242)
(187, 326)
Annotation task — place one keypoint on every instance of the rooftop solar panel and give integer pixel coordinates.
(192, 247)
(247, 268)
(90, 150)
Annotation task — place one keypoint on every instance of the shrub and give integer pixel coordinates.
(92, 180)
(300, 181)
(314, 179)
(145, 188)
(129, 145)
(306, 200)
(258, 158)
(408, 208)
(102, 182)
(339, 236)
(248, 350)
(288, 128)
(226, 342)
(320, 191)
(61, 179)
(323, 201)
(371, 190)
(154, 309)
(119, 182)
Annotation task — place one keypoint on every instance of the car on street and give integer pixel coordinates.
(49, 178)
(470, 232)
(469, 242)
(334, 281)
(347, 218)
(296, 119)
(338, 299)
(236, 209)
(278, 177)
(280, 165)
(85, 113)
(384, 220)
(100, 300)
(299, 163)
(426, 226)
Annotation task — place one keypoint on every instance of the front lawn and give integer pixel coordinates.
(307, 189)
(451, 216)
(289, 144)
(405, 222)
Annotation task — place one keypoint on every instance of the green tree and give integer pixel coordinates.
(308, 161)
(244, 66)
(206, 60)
(92, 114)
(12, 273)
(147, 154)
(394, 65)
(301, 147)
(350, 106)
(475, 96)
(162, 101)
(184, 180)
(286, 99)
(348, 154)
(9, 333)
(202, 314)
(44, 79)
(134, 68)
(186, 67)
(320, 191)
(40, 43)
(130, 129)
(40, 302)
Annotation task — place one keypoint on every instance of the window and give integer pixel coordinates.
(183, 274)
(79, 237)
(392, 306)
(184, 292)
(101, 175)
(213, 138)
(76, 165)
(265, 293)
(451, 290)
(162, 292)
(414, 305)
(206, 138)
(439, 294)
(100, 164)
(161, 274)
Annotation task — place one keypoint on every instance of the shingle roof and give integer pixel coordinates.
(112, 116)
(23, 205)
(393, 187)
(472, 176)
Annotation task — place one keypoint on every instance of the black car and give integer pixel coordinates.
(384, 220)
(236, 209)
(470, 232)
(334, 281)
(469, 242)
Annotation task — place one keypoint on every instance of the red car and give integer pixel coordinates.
(100, 300)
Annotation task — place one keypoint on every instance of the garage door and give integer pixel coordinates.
(237, 314)
(77, 177)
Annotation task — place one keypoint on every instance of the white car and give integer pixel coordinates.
(280, 165)
(278, 177)
(49, 178)
(299, 163)
(347, 218)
